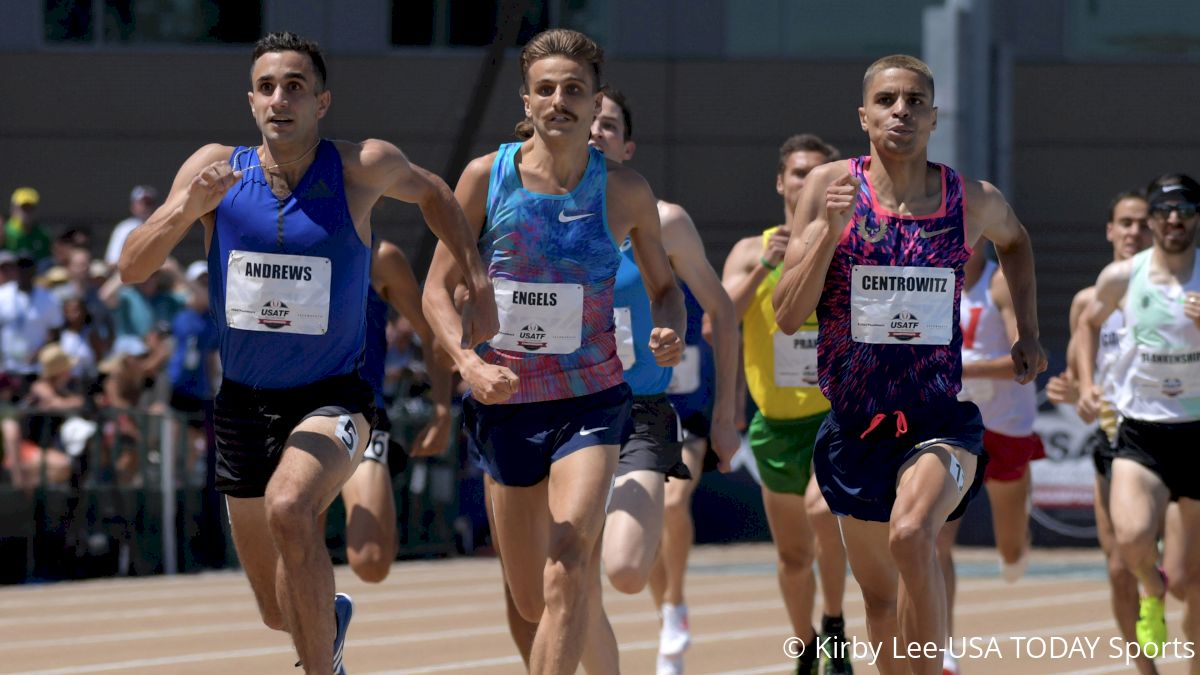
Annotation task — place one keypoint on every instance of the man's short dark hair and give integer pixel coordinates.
(1122, 196)
(287, 41)
(806, 143)
(618, 97)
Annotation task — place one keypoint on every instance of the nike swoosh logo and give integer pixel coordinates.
(564, 218)
(589, 432)
(926, 234)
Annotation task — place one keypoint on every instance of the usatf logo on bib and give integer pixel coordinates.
(1172, 387)
(532, 337)
(904, 327)
(274, 314)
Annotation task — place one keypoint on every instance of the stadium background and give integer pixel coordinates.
(1061, 103)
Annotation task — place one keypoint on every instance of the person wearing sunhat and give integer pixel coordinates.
(22, 233)
(49, 396)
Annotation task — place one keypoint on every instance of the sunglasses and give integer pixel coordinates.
(1184, 209)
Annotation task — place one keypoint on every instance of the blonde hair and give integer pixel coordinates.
(557, 42)
(901, 61)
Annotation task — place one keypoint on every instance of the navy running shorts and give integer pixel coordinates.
(858, 474)
(516, 443)
(252, 425)
(655, 440)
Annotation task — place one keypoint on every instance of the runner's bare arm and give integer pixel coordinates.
(635, 204)
(990, 216)
(1110, 288)
(825, 206)
(686, 252)
(198, 188)
(999, 368)
(1064, 387)
(489, 384)
(385, 168)
(744, 272)
(393, 279)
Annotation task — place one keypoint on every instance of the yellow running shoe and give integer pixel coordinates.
(1152, 626)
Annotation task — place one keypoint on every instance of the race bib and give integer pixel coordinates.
(902, 305)
(796, 359)
(538, 318)
(977, 389)
(685, 378)
(1167, 373)
(275, 292)
(623, 320)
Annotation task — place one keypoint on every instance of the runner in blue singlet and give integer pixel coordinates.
(287, 228)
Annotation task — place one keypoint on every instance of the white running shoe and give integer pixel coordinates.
(1011, 572)
(675, 637)
(669, 665)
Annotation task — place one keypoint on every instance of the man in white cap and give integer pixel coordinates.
(142, 201)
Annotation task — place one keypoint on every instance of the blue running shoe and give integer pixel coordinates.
(343, 609)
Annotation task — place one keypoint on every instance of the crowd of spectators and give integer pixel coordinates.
(87, 359)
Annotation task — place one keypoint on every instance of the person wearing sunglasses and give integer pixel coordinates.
(1157, 396)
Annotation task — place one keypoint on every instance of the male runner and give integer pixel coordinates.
(287, 227)
(548, 403)
(1008, 410)
(878, 247)
(368, 494)
(654, 450)
(781, 374)
(1128, 232)
(1157, 396)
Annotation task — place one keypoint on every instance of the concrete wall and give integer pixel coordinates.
(85, 127)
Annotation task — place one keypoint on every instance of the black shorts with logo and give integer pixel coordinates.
(655, 440)
(252, 425)
(1166, 449)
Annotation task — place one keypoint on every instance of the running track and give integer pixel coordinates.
(448, 617)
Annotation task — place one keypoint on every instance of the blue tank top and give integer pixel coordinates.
(543, 252)
(288, 278)
(375, 348)
(701, 399)
(632, 312)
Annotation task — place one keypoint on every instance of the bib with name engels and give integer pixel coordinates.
(553, 262)
(889, 334)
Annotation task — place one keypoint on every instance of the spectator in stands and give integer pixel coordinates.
(80, 340)
(138, 308)
(8, 267)
(52, 395)
(29, 318)
(195, 364)
(142, 202)
(22, 233)
(122, 384)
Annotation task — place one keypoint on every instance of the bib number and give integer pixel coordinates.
(902, 305)
(538, 318)
(685, 378)
(280, 293)
(623, 320)
(795, 359)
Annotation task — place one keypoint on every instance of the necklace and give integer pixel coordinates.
(290, 161)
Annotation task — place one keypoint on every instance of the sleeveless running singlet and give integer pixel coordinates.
(288, 277)
(631, 315)
(1158, 370)
(553, 263)
(1107, 354)
(1007, 407)
(781, 369)
(375, 349)
(889, 327)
